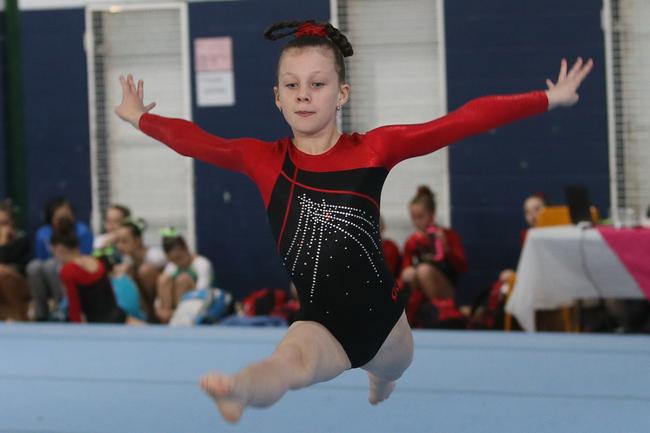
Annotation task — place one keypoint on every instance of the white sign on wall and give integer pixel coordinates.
(215, 78)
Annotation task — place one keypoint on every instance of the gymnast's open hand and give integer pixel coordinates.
(564, 92)
(132, 105)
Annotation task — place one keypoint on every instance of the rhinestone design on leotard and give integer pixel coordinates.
(341, 228)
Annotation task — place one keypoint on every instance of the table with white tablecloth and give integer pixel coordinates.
(562, 264)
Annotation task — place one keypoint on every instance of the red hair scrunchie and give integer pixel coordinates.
(310, 29)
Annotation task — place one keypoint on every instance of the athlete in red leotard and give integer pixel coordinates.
(321, 190)
(324, 209)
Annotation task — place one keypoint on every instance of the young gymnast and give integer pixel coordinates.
(185, 271)
(321, 189)
(90, 294)
(139, 261)
(433, 256)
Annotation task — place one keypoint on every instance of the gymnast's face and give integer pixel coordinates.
(5, 220)
(421, 216)
(532, 206)
(309, 90)
(113, 219)
(62, 213)
(181, 257)
(127, 243)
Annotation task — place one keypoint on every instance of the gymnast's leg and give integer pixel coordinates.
(308, 354)
(165, 303)
(433, 282)
(39, 290)
(388, 365)
(146, 278)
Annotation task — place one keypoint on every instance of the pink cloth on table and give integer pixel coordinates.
(632, 246)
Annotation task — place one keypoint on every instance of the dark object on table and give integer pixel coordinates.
(579, 204)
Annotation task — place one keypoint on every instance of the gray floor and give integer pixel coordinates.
(67, 378)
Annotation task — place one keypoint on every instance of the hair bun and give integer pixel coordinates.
(141, 224)
(274, 33)
(540, 195)
(169, 232)
(310, 28)
(65, 226)
(425, 190)
(339, 40)
(138, 224)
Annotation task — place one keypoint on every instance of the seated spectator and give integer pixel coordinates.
(43, 270)
(391, 252)
(89, 292)
(487, 311)
(104, 244)
(185, 271)
(141, 262)
(14, 256)
(533, 205)
(433, 256)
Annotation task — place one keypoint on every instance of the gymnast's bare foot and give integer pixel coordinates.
(378, 389)
(223, 390)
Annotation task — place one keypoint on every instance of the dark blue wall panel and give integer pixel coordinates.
(235, 233)
(512, 46)
(56, 110)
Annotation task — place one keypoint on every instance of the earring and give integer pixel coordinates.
(280, 108)
(338, 108)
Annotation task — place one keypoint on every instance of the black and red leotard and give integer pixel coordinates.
(324, 209)
(90, 294)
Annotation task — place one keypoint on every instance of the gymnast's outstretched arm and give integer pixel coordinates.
(396, 143)
(183, 136)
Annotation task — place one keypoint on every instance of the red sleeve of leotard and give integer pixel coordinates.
(188, 139)
(68, 277)
(396, 143)
(456, 254)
